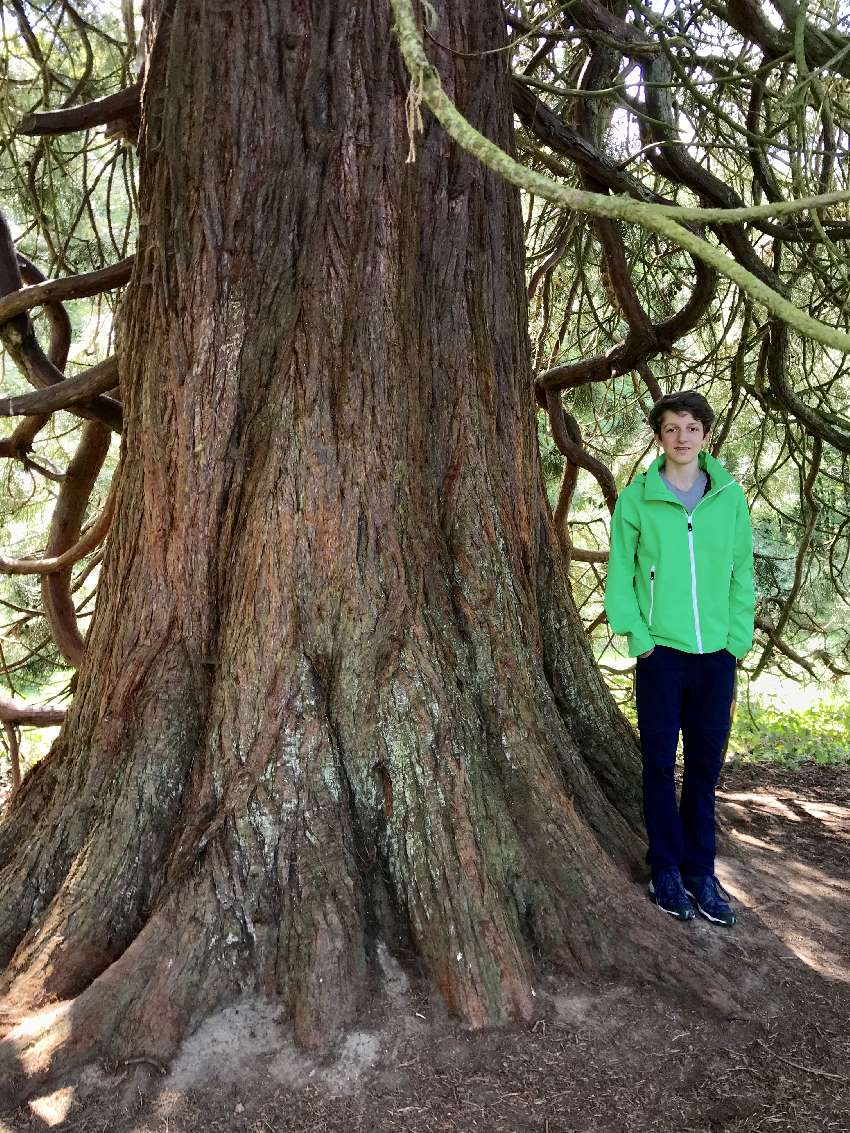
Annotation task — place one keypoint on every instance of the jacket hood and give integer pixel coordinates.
(656, 489)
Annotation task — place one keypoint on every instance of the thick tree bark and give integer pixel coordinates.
(335, 694)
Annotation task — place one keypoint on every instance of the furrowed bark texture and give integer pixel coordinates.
(335, 694)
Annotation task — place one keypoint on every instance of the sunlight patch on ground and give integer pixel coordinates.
(830, 814)
(55, 1018)
(751, 840)
(791, 902)
(806, 879)
(53, 1108)
(36, 1036)
(765, 802)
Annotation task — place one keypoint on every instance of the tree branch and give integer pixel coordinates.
(91, 538)
(17, 335)
(548, 128)
(426, 82)
(122, 104)
(68, 287)
(65, 526)
(64, 394)
(57, 316)
(32, 715)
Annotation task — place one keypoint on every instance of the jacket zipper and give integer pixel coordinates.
(694, 603)
(651, 592)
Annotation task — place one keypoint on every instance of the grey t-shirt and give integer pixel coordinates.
(693, 495)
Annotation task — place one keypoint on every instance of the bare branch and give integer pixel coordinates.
(121, 105)
(66, 394)
(68, 287)
(31, 715)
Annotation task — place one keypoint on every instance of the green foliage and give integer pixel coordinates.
(70, 200)
(766, 734)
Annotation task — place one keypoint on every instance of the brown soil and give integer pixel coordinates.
(603, 1056)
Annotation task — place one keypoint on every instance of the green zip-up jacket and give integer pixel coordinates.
(679, 580)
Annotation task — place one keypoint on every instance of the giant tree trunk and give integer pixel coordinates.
(336, 696)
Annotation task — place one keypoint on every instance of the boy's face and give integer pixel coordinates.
(681, 437)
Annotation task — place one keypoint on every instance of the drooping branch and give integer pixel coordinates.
(592, 22)
(641, 330)
(58, 318)
(643, 340)
(639, 345)
(657, 218)
(775, 354)
(92, 537)
(823, 48)
(65, 527)
(549, 129)
(567, 436)
(695, 308)
(801, 558)
(673, 161)
(568, 439)
(610, 30)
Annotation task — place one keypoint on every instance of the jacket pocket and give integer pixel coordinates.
(651, 592)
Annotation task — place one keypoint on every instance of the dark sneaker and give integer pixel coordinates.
(711, 899)
(668, 893)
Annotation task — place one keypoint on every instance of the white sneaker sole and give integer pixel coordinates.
(669, 912)
(708, 916)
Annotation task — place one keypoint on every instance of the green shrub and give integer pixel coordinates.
(765, 734)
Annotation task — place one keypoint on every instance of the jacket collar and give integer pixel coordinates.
(656, 489)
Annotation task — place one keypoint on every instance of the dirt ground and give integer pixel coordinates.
(604, 1056)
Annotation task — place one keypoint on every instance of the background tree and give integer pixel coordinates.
(336, 700)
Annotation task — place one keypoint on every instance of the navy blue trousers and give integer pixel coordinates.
(691, 692)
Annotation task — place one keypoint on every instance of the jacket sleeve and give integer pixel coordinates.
(621, 603)
(742, 599)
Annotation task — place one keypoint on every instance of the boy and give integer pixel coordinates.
(680, 587)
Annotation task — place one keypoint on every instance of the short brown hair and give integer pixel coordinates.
(685, 401)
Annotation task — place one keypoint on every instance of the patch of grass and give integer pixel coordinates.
(817, 734)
